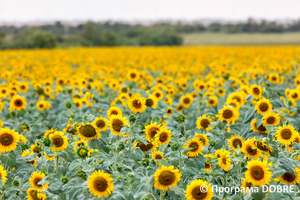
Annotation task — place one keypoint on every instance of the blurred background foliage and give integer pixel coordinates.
(123, 34)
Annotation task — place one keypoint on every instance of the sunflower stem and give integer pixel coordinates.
(180, 164)
(161, 195)
(129, 141)
(115, 161)
(56, 164)
(287, 150)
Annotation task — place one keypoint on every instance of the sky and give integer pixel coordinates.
(146, 10)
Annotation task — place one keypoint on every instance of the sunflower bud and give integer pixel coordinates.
(175, 146)
(16, 183)
(132, 118)
(121, 146)
(145, 162)
(119, 168)
(212, 143)
(146, 198)
(25, 127)
(82, 152)
(64, 180)
(181, 118)
(46, 141)
(68, 104)
(81, 174)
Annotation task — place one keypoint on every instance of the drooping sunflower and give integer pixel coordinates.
(114, 111)
(263, 147)
(166, 177)
(203, 139)
(151, 101)
(196, 190)
(59, 140)
(228, 114)
(151, 130)
(250, 150)
(3, 174)
(186, 100)
(8, 140)
(34, 194)
(258, 172)
(204, 122)
(116, 123)
(224, 162)
(48, 157)
(263, 106)
(17, 103)
(286, 134)
(23, 139)
(137, 104)
(100, 184)
(290, 179)
(246, 185)
(235, 142)
(101, 123)
(196, 145)
(150, 146)
(260, 129)
(28, 153)
(169, 111)
(163, 136)
(36, 177)
(271, 119)
(88, 131)
(219, 152)
(256, 91)
(179, 108)
(213, 101)
(207, 166)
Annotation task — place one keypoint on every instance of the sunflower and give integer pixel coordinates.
(137, 104)
(114, 111)
(219, 152)
(250, 150)
(179, 108)
(133, 75)
(213, 101)
(196, 145)
(258, 173)
(23, 139)
(256, 91)
(156, 155)
(158, 94)
(49, 132)
(238, 96)
(51, 158)
(207, 166)
(88, 131)
(8, 140)
(3, 174)
(220, 92)
(169, 111)
(23, 87)
(203, 139)
(36, 177)
(100, 184)
(41, 105)
(224, 162)
(17, 103)
(235, 142)
(290, 179)
(186, 100)
(263, 106)
(101, 123)
(234, 103)
(151, 101)
(229, 114)
(28, 153)
(203, 123)
(260, 129)
(246, 185)
(166, 177)
(286, 134)
(263, 147)
(294, 95)
(151, 130)
(116, 123)
(59, 140)
(151, 146)
(196, 190)
(34, 194)
(163, 136)
(271, 119)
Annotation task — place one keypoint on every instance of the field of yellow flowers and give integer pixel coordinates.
(150, 123)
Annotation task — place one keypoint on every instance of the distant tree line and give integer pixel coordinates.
(120, 34)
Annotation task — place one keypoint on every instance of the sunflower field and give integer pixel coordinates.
(147, 123)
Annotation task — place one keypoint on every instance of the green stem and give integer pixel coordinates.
(130, 132)
(161, 195)
(146, 178)
(56, 164)
(287, 150)
(180, 164)
(115, 161)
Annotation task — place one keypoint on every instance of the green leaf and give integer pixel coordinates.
(137, 154)
(249, 97)
(102, 155)
(68, 154)
(249, 115)
(8, 159)
(99, 144)
(162, 162)
(277, 172)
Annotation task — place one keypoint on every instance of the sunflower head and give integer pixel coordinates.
(258, 173)
(235, 142)
(18, 103)
(271, 119)
(150, 146)
(196, 145)
(203, 123)
(151, 102)
(263, 106)
(250, 150)
(100, 184)
(228, 114)
(88, 131)
(256, 91)
(203, 139)
(36, 177)
(137, 104)
(286, 134)
(116, 123)
(194, 190)
(163, 136)
(166, 177)
(8, 140)
(101, 123)
(59, 141)
(114, 111)
(151, 130)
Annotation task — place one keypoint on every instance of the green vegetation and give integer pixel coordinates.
(159, 34)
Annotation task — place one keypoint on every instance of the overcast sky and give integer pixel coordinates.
(143, 10)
